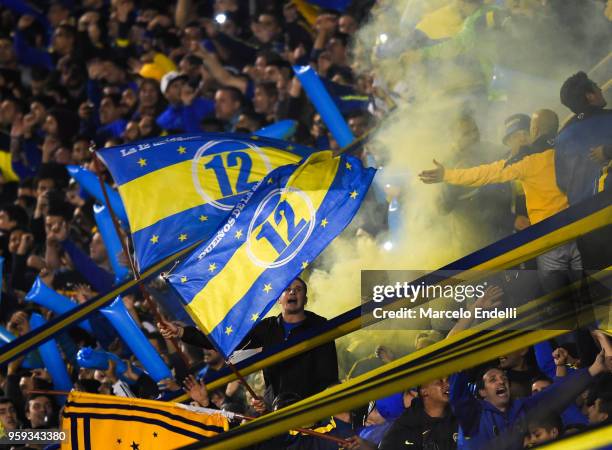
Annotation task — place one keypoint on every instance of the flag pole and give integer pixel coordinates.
(308, 431)
(235, 371)
(149, 301)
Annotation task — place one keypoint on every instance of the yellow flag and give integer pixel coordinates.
(103, 422)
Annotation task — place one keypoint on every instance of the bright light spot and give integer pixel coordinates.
(383, 38)
(220, 18)
(388, 246)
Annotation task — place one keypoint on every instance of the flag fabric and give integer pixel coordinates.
(177, 190)
(337, 5)
(231, 281)
(94, 421)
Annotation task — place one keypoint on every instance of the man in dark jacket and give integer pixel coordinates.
(578, 174)
(427, 424)
(305, 374)
(583, 154)
(494, 421)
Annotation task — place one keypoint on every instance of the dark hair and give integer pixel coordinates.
(68, 123)
(116, 99)
(574, 90)
(17, 214)
(269, 87)
(27, 182)
(343, 71)
(259, 119)
(234, 92)
(193, 24)
(280, 63)
(212, 125)
(19, 104)
(86, 385)
(601, 389)
(40, 73)
(546, 421)
(68, 28)
(54, 171)
(194, 60)
(342, 37)
(58, 206)
(81, 137)
(270, 56)
(8, 400)
(541, 378)
(194, 352)
(44, 100)
(481, 373)
(303, 285)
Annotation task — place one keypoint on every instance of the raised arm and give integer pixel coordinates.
(495, 172)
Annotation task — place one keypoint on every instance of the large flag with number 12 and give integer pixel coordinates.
(231, 281)
(177, 190)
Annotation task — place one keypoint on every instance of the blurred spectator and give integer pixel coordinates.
(543, 429)
(584, 149)
(589, 130)
(427, 423)
(484, 420)
(484, 209)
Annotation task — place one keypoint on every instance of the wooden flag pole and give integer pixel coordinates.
(147, 297)
(150, 303)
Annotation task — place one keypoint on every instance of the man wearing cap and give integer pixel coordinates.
(515, 137)
(532, 165)
(185, 108)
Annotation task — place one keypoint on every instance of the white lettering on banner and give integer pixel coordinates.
(147, 145)
(230, 223)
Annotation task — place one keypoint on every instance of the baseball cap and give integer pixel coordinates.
(514, 123)
(169, 78)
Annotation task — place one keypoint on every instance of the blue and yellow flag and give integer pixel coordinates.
(177, 190)
(338, 5)
(230, 282)
(93, 421)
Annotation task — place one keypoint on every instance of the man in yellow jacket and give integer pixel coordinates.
(534, 167)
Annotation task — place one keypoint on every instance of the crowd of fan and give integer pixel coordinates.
(73, 73)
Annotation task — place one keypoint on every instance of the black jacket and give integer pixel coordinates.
(415, 430)
(305, 374)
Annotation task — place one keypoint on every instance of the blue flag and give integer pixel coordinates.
(231, 281)
(338, 5)
(177, 190)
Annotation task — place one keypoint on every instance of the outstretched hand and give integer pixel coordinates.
(197, 390)
(433, 175)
